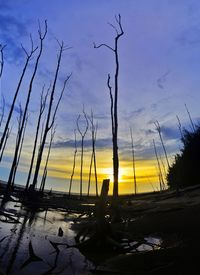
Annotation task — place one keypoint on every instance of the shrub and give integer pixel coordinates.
(185, 171)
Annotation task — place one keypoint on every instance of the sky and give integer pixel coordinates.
(159, 73)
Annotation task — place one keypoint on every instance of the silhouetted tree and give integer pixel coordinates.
(2, 110)
(41, 37)
(53, 131)
(43, 99)
(93, 156)
(133, 157)
(28, 58)
(114, 102)
(161, 139)
(19, 120)
(9, 130)
(180, 128)
(74, 163)
(50, 121)
(20, 149)
(2, 47)
(82, 133)
(185, 169)
(161, 180)
(190, 118)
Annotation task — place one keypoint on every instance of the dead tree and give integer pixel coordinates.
(43, 99)
(2, 110)
(133, 157)
(50, 121)
(28, 58)
(191, 122)
(93, 156)
(161, 181)
(20, 150)
(161, 139)
(2, 47)
(180, 128)
(74, 163)
(41, 37)
(53, 131)
(5, 142)
(114, 102)
(82, 133)
(19, 120)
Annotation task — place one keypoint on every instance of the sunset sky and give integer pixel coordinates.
(159, 72)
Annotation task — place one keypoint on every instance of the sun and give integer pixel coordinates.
(108, 172)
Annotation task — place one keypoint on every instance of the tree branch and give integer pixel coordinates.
(2, 59)
(58, 103)
(103, 45)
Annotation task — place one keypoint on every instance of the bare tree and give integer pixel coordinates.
(53, 131)
(2, 110)
(93, 156)
(28, 58)
(114, 101)
(82, 133)
(50, 121)
(41, 37)
(133, 157)
(74, 163)
(159, 168)
(180, 128)
(43, 99)
(2, 47)
(161, 139)
(191, 122)
(9, 130)
(19, 120)
(20, 150)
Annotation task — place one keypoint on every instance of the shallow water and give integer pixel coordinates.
(34, 231)
(33, 246)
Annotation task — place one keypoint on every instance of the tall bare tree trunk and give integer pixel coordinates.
(82, 134)
(161, 139)
(191, 122)
(2, 47)
(53, 130)
(133, 157)
(49, 123)
(20, 151)
(2, 110)
(114, 101)
(5, 142)
(28, 58)
(74, 163)
(42, 37)
(180, 128)
(159, 168)
(93, 156)
(41, 111)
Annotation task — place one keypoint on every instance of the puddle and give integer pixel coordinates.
(32, 245)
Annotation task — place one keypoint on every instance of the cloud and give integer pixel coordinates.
(162, 79)
(3, 5)
(102, 143)
(11, 31)
(170, 132)
(190, 36)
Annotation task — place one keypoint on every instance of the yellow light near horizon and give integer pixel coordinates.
(108, 172)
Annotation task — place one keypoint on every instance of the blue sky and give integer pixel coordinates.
(159, 71)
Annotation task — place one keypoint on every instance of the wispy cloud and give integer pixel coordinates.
(12, 30)
(162, 79)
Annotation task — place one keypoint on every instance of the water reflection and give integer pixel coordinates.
(25, 245)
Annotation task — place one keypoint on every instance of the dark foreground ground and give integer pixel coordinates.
(169, 224)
